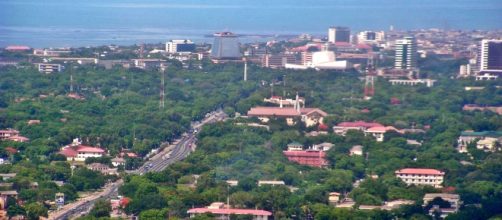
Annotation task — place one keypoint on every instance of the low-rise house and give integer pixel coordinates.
(313, 158)
(419, 176)
(148, 63)
(232, 182)
(369, 207)
(33, 122)
(470, 107)
(323, 146)
(118, 161)
(374, 129)
(102, 168)
(295, 146)
(413, 142)
(378, 132)
(333, 198)
(395, 204)
(356, 150)
(309, 116)
(18, 138)
(7, 176)
(413, 82)
(271, 182)
(222, 212)
(346, 203)
(78, 152)
(49, 68)
(343, 127)
(7, 133)
(488, 144)
(453, 200)
(467, 137)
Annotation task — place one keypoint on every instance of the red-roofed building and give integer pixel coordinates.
(11, 150)
(222, 212)
(17, 48)
(379, 131)
(18, 138)
(343, 127)
(78, 152)
(421, 176)
(4, 134)
(311, 158)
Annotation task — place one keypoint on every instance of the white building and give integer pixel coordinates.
(406, 53)
(370, 37)
(322, 60)
(424, 177)
(453, 199)
(78, 152)
(413, 82)
(486, 77)
(177, 46)
(223, 212)
(490, 56)
(338, 34)
(465, 70)
(49, 68)
(488, 144)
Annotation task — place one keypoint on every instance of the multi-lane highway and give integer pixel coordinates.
(169, 154)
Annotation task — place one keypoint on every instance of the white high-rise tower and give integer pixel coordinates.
(406, 53)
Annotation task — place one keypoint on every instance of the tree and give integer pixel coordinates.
(101, 208)
(153, 214)
(34, 211)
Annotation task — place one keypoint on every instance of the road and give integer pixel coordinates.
(169, 154)
(84, 205)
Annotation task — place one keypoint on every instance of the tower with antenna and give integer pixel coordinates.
(71, 82)
(162, 89)
(141, 50)
(245, 69)
(369, 87)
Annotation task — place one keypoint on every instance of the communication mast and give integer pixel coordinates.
(369, 83)
(245, 69)
(162, 89)
(141, 50)
(369, 87)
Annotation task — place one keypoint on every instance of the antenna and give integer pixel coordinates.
(162, 90)
(245, 69)
(71, 79)
(141, 50)
(369, 87)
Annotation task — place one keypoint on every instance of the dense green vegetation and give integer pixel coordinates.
(121, 111)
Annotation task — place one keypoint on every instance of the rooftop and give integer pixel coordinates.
(419, 171)
(225, 211)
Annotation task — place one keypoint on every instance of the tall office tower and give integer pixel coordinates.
(370, 37)
(490, 56)
(338, 34)
(225, 47)
(406, 53)
(176, 46)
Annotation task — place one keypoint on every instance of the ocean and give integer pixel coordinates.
(74, 23)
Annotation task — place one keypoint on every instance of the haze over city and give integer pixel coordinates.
(250, 110)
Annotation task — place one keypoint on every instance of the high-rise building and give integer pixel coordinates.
(406, 53)
(370, 37)
(225, 47)
(339, 34)
(176, 46)
(490, 56)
